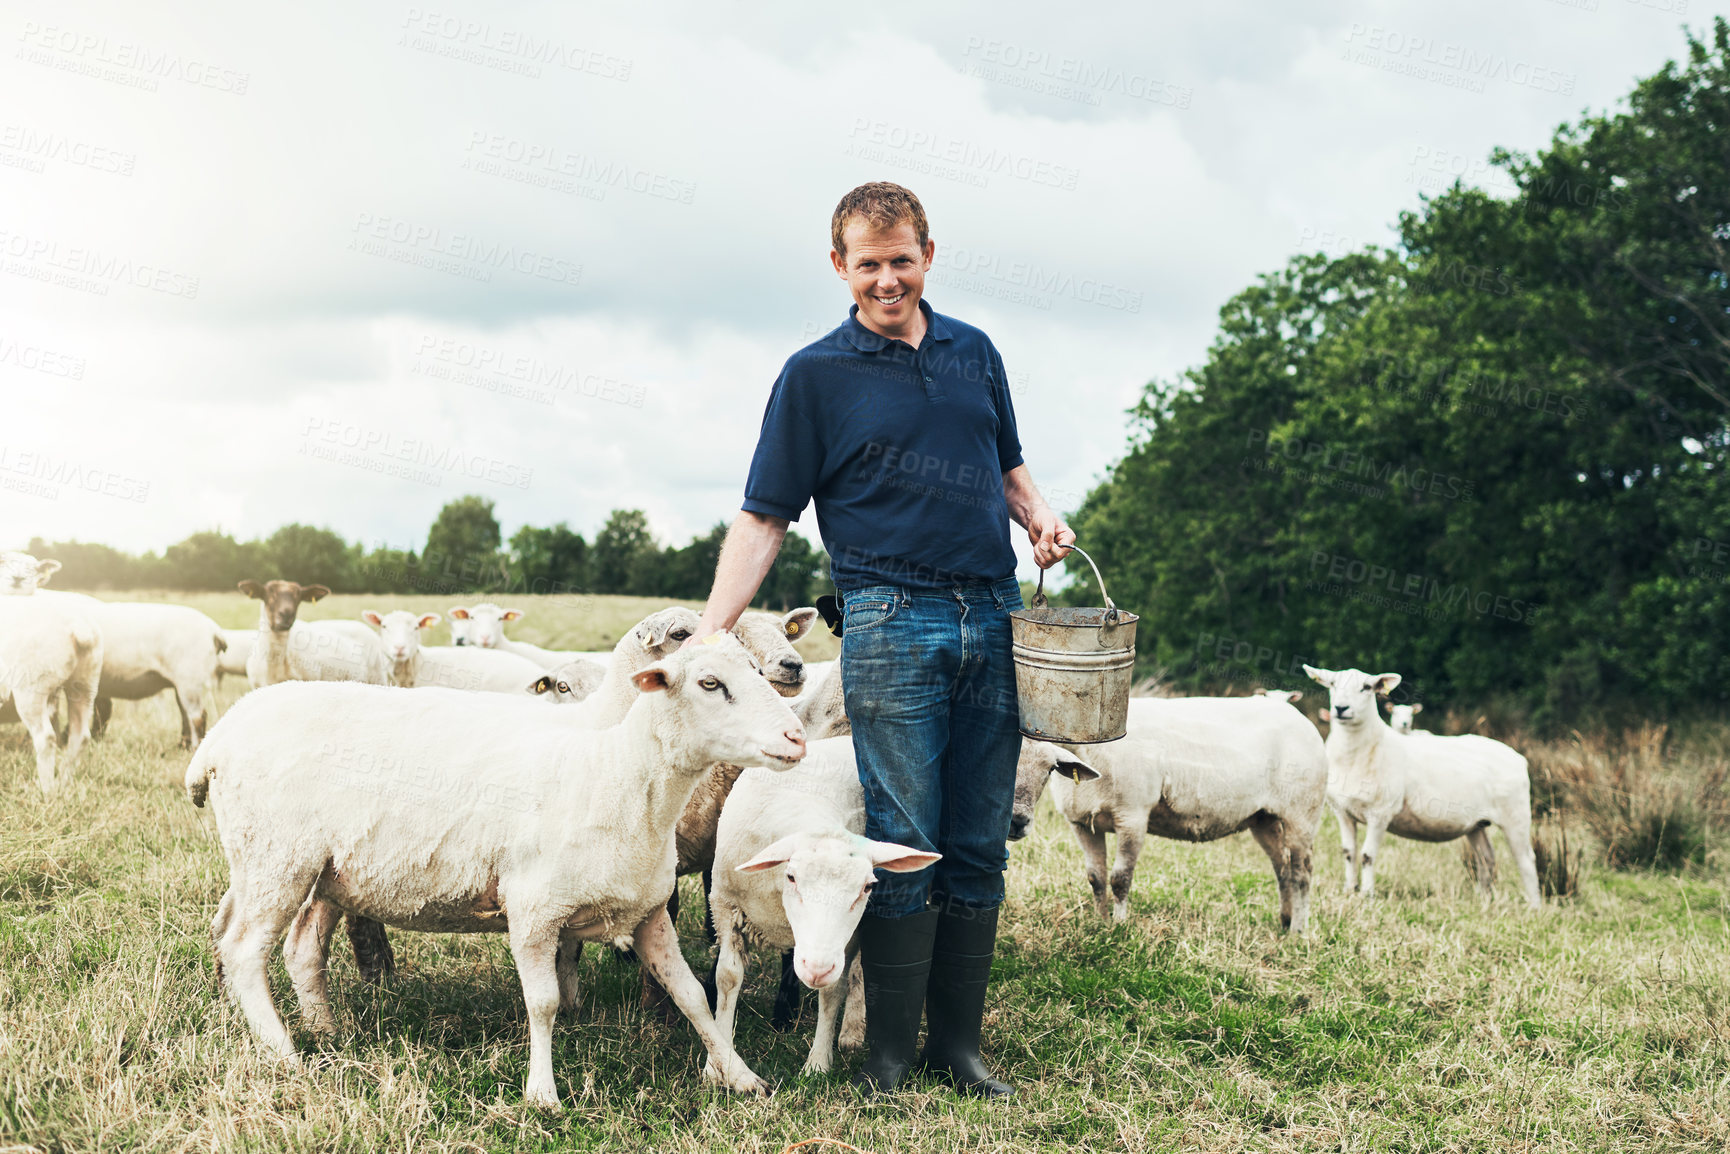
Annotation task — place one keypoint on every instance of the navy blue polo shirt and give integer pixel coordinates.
(903, 451)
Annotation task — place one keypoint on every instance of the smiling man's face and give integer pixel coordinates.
(885, 270)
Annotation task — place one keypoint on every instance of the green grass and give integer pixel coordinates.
(1427, 1020)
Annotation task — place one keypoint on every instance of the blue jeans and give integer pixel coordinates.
(930, 689)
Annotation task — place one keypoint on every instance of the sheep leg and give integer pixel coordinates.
(1130, 835)
(306, 953)
(708, 906)
(1348, 844)
(658, 945)
(255, 925)
(373, 956)
(191, 703)
(789, 996)
(570, 953)
(80, 704)
(99, 721)
(1092, 844)
(829, 1000)
(729, 976)
(37, 714)
(853, 1018)
(1298, 868)
(1269, 833)
(1517, 832)
(1374, 829)
(535, 946)
(1483, 858)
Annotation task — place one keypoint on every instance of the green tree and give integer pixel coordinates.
(549, 560)
(625, 556)
(462, 547)
(213, 560)
(309, 555)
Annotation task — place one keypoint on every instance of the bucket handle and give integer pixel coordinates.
(1039, 600)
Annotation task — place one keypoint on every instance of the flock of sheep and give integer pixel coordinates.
(469, 806)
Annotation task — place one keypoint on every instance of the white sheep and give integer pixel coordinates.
(290, 650)
(48, 646)
(569, 683)
(1190, 769)
(483, 627)
(793, 870)
(822, 708)
(237, 649)
(1400, 717)
(1429, 789)
(473, 813)
(1292, 696)
(21, 574)
(413, 665)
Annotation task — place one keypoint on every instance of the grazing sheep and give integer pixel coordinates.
(287, 650)
(1400, 717)
(569, 683)
(1430, 789)
(50, 645)
(1191, 769)
(413, 665)
(447, 812)
(810, 822)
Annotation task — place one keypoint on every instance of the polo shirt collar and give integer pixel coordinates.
(867, 341)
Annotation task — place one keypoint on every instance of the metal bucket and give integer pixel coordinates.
(1073, 668)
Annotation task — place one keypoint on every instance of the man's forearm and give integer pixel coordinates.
(752, 542)
(1023, 497)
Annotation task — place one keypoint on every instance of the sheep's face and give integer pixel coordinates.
(282, 600)
(1400, 716)
(1352, 693)
(484, 623)
(399, 631)
(827, 880)
(1039, 760)
(718, 703)
(665, 630)
(770, 640)
(568, 683)
(21, 574)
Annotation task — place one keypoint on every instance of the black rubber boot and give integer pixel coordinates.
(955, 1001)
(896, 956)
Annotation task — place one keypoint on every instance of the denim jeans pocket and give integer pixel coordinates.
(865, 608)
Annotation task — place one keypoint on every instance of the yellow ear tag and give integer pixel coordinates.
(713, 639)
(792, 627)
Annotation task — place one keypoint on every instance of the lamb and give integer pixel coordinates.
(48, 646)
(22, 574)
(414, 665)
(1400, 717)
(287, 650)
(1192, 769)
(569, 683)
(809, 821)
(1430, 789)
(483, 626)
(448, 812)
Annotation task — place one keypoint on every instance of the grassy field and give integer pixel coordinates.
(1428, 1020)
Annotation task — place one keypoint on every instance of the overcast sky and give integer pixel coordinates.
(304, 264)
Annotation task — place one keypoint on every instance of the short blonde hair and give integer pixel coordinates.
(881, 205)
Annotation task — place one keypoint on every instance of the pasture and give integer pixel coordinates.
(1426, 1020)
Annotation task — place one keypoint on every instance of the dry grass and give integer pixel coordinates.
(1427, 1020)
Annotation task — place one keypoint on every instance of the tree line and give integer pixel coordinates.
(1495, 458)
(464, 553)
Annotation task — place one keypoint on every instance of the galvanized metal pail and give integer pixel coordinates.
(1073, 668)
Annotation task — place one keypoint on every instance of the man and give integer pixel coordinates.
(899, 425)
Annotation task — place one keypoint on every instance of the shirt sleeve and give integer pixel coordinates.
(789, 456)
(1008, 437)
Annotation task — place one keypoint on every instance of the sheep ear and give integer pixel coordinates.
(898, 859)
(543, 684)
(252, 589)
(371, 617)
(1294, 696)
(653, 679)
(46, 569)
(774, 854)
(427, 620)
(510, 614)
(657, 629)
(458, 613)
(314, 592)
(1416, 709)
(1075, 769)
(797, 623)
(1385, 684)
(1320, 676)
